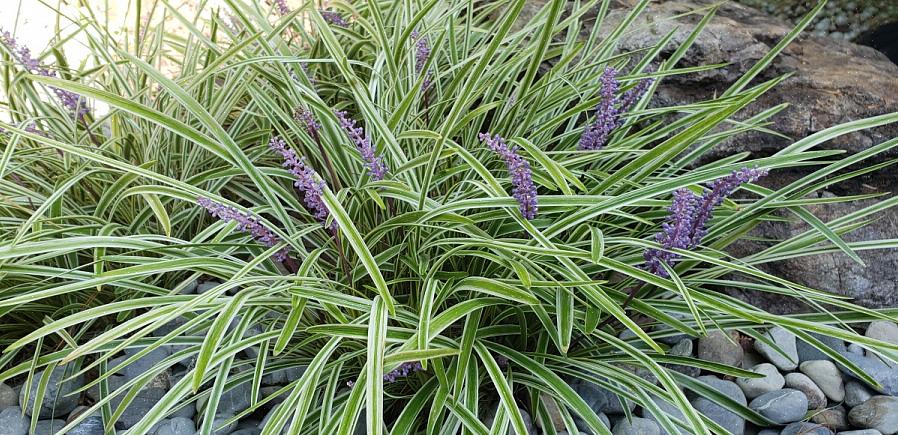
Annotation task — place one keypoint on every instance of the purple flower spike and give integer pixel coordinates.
(403, 370)
(422, 53)
(281, 7)
(307, 181)
(686, 224)
(375, 163)
(245, 222)
(521, 176)
(596, 135)
(610, 109)
(334, 18)
(308, 120)
(22, 55)
(675, 234)
(634, 94)
(718, 190)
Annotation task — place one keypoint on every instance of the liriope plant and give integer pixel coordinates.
(440, 213)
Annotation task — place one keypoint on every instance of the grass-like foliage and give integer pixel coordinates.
(400, 234)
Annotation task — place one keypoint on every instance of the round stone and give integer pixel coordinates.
(861, 432)
(884, 331)
(856, 393)
(58, 398)
(12, 422)
(667, 408)
(729, 420)
(176, 426)
(555, 415)
(754, 387)
(8, 396)
(801, 382)
(781, 406)
(48, 427)
(835, 418)
(721, 347)
(92, 425)
(783, 354)
(880, 413)
(637, 426)
(805, 428)
(827, 376)
(220, 428)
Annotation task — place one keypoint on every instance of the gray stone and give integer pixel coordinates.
(220, 428)
(599, 399)
(781, 406)
(800, 382)
(805, 428)
(283, 376)
(856, 349)
(835, 418)
(176, 426)
(754, 387)
(880, 413)
(8, 396)
(806, 352)
(886, 375)
(146, 362)
(58, 398)
(827, 376)
(554, 411)
(856, 393)
(205, 286)
(236, 399)
(12, 422)
(92, 425)
(684, 348)
(638, 426)
(769, 432)
(884, 331)
(721, 347)
(670, 410)
(784, 355)
(189, 289)
(78, 411)
(247, 431)
(729, 420)
(48, 427)
(861, 432)
(139, 406)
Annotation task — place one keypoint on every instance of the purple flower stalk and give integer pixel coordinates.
(333, 18)
(687, 222)
(375, 163)
(305, 116)
(422, 53)
(596, 135)
(281, 7)
(307, 181)
(403, 370)
(609, 110)
(521, 175)
(245, 222)
(718, 190)
(22, 55)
